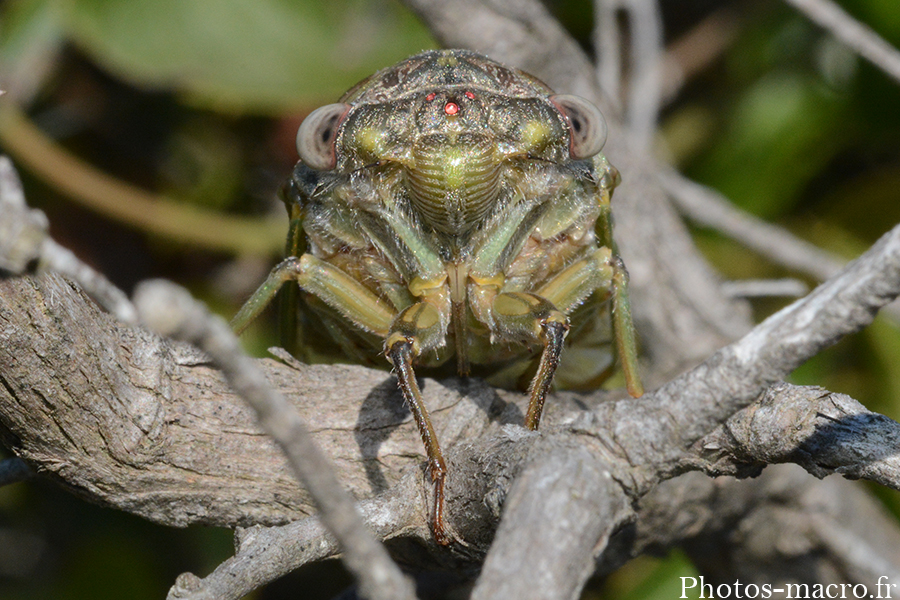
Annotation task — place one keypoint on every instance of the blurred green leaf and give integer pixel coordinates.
(780, 135)
(647, 578)
(233, 55)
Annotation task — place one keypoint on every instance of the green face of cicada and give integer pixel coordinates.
(450, 121)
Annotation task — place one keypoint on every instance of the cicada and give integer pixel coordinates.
(452, 206)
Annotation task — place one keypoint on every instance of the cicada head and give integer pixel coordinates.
(453, 122)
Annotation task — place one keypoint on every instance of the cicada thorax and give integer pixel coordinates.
(454, 181)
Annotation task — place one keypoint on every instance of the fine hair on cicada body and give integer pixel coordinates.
(454, 207)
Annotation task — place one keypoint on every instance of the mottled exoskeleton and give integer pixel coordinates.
(452, 206)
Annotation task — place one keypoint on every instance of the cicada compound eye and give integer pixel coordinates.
(587, 127)
(316, 136)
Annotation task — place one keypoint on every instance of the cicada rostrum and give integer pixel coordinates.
(450, 205)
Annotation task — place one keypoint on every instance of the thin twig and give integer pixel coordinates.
(25, 243)
(266, 553)
(858, 36)
(102, 290)
(760, 288)
(608, 48)
(645, 91)
(171, 311)
(708, 207)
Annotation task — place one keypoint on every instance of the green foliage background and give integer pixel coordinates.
(197, 102)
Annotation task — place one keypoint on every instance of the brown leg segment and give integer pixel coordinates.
(400, 353)
(534, 318)
(553, 332)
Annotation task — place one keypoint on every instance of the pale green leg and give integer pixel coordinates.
(329, 283)
(285, 271)
(616, 279)
(602, 270)
(623, 326)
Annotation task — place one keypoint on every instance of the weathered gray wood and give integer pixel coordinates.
(121, 417)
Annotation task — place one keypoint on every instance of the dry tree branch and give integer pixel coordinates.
(645, 90)
(24, 242)
(622, 432)
(851, 289)
(831, 421)
(829, 433)
(174, 313)
(624, 449)
(608, 48)
(821, 431)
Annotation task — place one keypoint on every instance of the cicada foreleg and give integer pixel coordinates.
(416, 329)
(329, 283)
